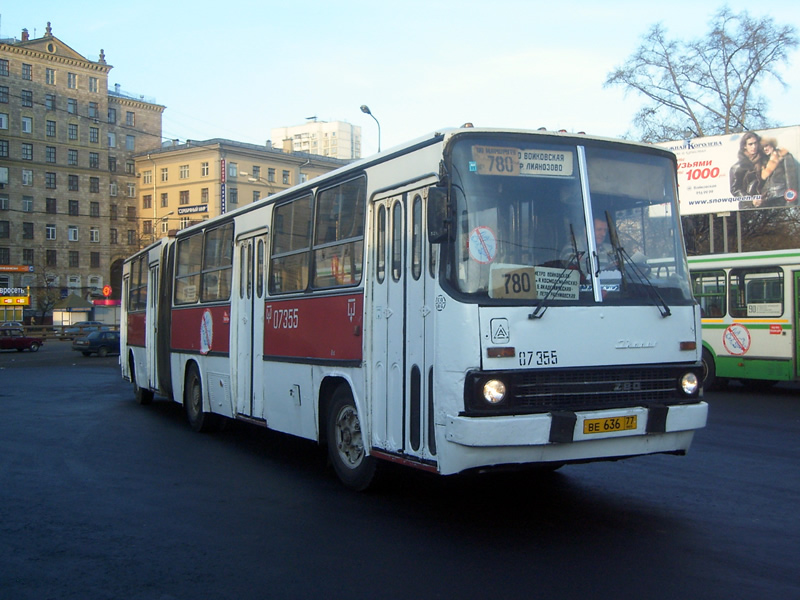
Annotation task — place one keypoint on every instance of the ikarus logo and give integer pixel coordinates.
(633, 345)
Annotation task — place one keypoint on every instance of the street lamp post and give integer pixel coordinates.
(365, 110)
(259, 179)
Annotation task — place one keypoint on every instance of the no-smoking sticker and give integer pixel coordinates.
(736, 339)
(482, 245)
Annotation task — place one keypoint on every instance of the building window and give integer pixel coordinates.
(112, 212)
(94, 160)
(3, 120)
(112, 115)
(271, 175)
(164, 200)
(4, 94)
(112, 139)
(50, 128)
(94, 209)
(72, 81)
(27, 231)
(51, 205)
(74, 208)
(27, 177)
(286, 177)
(72, 157)
(184, 197)
(147, 201)
(51, 258)
(27, 98)
(27, 125)
(113, 236)
(73, 183)
(74, 259)
(164, 174)
(147, 227)
(27, 151)
(94, 235)
(5, 256)
(256, 172)
(3, 148)
(4, 67)
(130, 167)
(50, 181)
(165, 226)
(72, 106)
(147, 177)
(72, 131)
(131, 213)
(185, 222)
(130, 119)
(72, 233)
(50, 231)
(50, 76)
(93, 112)
(50, 101)
(233, 196)
(233, 169)
(95, 260)
(184, 172)
(112, 188)
(94, 135)
(130, 142)
(93, 84)
(131, 190)
(112, 164)
(27, 72)
(204, 169)
(5, 228)
(256, 196)
(50, 154)
(27, 204)
(3, 201)
(204, 195)
(27, 256)
(131, 237)
(94, 185)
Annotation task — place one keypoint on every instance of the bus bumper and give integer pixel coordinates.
(566, 437)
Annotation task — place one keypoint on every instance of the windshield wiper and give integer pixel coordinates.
(623, 259)
(541, 306)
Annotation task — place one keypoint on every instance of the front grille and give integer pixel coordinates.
(579, 389)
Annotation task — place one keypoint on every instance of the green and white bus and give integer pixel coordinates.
(749, 308)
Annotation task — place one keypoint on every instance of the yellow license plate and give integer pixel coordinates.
(609, 424)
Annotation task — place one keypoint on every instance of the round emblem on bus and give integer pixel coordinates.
(736, 339)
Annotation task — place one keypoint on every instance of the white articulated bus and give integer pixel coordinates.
(749, 303)
(475, 298)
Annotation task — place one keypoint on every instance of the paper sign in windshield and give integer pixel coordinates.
(530, 283)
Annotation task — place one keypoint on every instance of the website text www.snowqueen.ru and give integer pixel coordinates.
(707, 201)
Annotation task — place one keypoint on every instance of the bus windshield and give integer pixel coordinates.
(541, 221)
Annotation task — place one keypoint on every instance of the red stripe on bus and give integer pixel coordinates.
(201, 329)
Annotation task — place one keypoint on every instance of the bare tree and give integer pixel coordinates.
(708, 86)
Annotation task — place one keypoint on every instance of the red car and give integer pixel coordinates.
(15, 339)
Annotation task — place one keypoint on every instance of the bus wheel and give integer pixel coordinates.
(346, 444)
(142, 395)
(193, 402)
(709, 370)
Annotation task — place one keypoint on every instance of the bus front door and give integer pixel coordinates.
(400, 369)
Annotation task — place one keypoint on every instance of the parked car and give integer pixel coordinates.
(82, 328)
(12, 324)
(12, 338)
(101, 342)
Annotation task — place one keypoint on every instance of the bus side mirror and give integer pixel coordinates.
(438, 215)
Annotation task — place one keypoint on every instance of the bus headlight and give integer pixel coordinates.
(494, 391)
(690, 384)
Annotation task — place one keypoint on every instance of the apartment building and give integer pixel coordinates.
(336, 139)
(68, 185)
(182, 184)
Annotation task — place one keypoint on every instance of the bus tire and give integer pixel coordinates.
(141, 395)
(200, 420)
(709, 370)
(346, 449)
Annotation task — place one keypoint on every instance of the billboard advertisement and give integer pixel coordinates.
(739, 171)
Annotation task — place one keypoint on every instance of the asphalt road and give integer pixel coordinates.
(103, 498)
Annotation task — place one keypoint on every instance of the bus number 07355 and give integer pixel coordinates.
(286, 318)
(539, 358)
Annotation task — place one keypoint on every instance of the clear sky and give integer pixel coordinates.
(237, 69)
